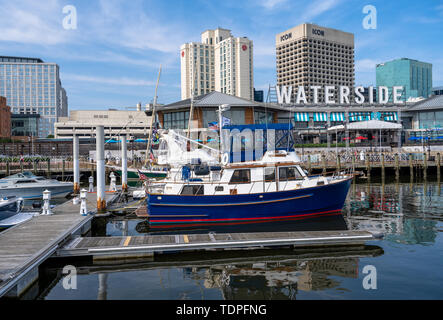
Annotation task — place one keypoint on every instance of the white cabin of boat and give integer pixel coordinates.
(276, 171)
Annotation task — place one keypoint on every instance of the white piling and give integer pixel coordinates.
(124, 164)
(76, 165)
(46, 202)
(100, 148)
(91, 184)
(83, 208)
(113, 184)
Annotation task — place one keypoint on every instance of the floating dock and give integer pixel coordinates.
(25, 246)
(144, 246)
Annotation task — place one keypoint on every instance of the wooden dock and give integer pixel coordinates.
(24, 247)
(144, 246)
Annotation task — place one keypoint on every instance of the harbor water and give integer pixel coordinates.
(405, 264)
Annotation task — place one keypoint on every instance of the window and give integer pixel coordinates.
(241, 176)
(269, 174)
(219, 188)
(288, 173)
(192, 190)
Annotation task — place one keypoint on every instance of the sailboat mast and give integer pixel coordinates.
(148, 147)
(191, 110)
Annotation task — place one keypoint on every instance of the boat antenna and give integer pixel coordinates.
(148, 147)
(191, 110)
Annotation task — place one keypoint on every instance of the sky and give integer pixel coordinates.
(111, 59)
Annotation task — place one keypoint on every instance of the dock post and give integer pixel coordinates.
(309, 164)
(34, 166)
(21, 166)
(382, 166)
(46, 204)
(411, 167)
(438, 165)
(63, 170)
(368, 165)
(397, 167)
(83, 208)
(113, 184)
(124, 164)
(91, 184)
(425, 165)
(100, 154)
(49, 169)
(76, 165)
(323, 159)
(7, 168)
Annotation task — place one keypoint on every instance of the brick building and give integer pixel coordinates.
(5, 119)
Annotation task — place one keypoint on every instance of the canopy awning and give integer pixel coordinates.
(301, 116)
(374, 125)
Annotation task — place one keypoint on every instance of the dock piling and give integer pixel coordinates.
(124, 164)
(397, 167)
(83, 208)
(425, 166)
(100, 146)
(382, 166)
(323, 159)
(368, 165)
(76, 165)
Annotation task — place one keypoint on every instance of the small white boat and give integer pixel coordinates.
(28, 186)
(10, 206)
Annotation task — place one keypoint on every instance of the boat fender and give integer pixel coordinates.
(225, 159)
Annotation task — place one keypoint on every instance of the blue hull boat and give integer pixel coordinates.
(319, 200)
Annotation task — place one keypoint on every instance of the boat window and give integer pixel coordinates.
(269, 174)
(289, 173)
(192, 190)
(241, 176)
(24, 181)
(218, 188)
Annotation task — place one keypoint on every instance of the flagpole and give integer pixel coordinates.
(148, 147)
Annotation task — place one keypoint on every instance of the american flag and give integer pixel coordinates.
(213, 125)
(141, 176)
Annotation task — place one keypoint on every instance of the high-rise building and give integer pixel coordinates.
(5, 119)
(220, 62)
(310, 55)
(437, 91)
(415, 77)
(33, 86)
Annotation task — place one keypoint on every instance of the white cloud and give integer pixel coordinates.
(318, 7)
(122, 81)
(271, 4)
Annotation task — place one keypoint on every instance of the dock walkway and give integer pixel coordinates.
(142, 246)
(24, 247)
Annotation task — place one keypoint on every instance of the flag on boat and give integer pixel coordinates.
(213, 125)
(225, 121)
(141, 176)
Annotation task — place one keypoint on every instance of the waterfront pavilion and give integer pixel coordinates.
(369, 129)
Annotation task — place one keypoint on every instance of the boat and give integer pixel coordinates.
(271, 189)
(10, 206)
(29, 186)
(133, 174)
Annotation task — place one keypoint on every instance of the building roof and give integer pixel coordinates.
(212, 99)
(432, 103)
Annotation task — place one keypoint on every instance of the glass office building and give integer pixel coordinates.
(415, 77)
(33, 86)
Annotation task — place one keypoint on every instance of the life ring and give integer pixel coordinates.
(225, 159)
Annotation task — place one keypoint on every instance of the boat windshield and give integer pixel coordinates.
(26, 174)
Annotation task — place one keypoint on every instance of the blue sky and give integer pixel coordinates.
(112, 58)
